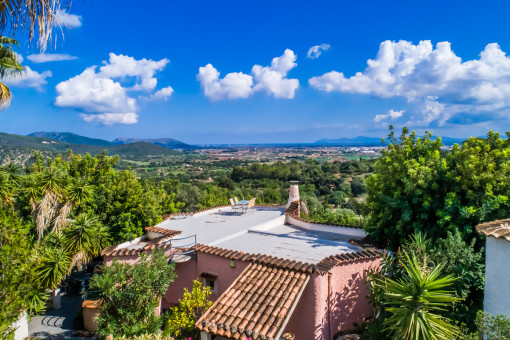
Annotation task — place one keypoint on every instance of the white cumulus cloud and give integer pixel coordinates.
(111, 118)
(48, 57)
(103, 92)
(273, 79)
(432, 79)
(270, 79)
(233, 85)
(29, 78)
(121, 66)
(315, 51)
(92, 92)
(392, 114)
(63, 18)
(163, 94)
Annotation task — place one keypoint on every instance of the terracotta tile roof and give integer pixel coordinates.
(496, 229)
(258, 304)
(163, 231)
(169, 216)
(322, 267)
(293, 209)
(156, 243)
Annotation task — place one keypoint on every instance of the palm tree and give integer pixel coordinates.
(54, 264)
(9, 67)
(415, 301)
(51, 184)
(36, 15)
(84, 239)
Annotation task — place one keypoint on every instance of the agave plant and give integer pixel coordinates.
(415, 301)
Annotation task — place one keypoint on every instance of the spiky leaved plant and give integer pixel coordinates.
(415, 301)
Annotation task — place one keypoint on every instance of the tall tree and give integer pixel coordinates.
(420, 187)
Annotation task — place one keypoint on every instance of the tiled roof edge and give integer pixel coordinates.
(163, 231)
(322, 267)
(499, 229)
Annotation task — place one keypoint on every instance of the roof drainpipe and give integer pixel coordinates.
(330, 329)
(293, 192)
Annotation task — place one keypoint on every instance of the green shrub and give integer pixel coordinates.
(131, 293)
(182, 318)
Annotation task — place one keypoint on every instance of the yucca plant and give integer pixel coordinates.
(54, 266)
(84, 239)
(415, 302)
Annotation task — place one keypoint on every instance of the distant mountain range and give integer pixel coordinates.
(375, 141)
(61, 145)
(73, 138)
(169, 143)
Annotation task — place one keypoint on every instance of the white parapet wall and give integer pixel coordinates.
(354, 232)
(497, 277)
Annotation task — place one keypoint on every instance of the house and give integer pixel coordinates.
(270, 271)
(497, 271)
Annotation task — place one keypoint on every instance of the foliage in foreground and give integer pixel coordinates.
(19, 288)
(131, 293)
(182, 318)
(420, 187)
(411, 296)
(491, 327)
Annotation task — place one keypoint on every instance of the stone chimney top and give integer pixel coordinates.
(293, 193)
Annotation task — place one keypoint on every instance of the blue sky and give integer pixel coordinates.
(146, 82)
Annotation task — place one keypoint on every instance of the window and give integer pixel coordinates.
(210, 281)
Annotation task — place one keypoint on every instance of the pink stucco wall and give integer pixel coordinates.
(310, 320)
(348, 302)
(191, 270)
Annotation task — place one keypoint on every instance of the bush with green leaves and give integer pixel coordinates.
(491, 327)
(19, 288)
(417, 186)
(130, 293)
(182, 318)
(412, 296)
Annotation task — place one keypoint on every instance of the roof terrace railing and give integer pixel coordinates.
(183, 249)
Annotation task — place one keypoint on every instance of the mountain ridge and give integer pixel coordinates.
(73, 138)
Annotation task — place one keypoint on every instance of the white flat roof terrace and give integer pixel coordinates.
(260, 231)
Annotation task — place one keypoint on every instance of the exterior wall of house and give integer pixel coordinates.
(191, 270)
(348, 302)
(497, 277)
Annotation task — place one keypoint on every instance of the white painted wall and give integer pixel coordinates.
(21, 327)
(497, 277)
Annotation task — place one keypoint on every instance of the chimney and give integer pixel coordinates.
(293, 193)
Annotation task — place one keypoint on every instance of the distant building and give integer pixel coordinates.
(270, 272)
(497, 270)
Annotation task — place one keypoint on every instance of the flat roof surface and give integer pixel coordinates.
(212, 226)
(291, 242)
(259, 231)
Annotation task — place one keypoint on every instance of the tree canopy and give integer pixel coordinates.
(418, 186)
